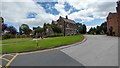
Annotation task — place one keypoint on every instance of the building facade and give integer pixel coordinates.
(118, 13)
(113, 22)
(68, 26)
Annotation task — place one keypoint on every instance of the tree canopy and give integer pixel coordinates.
(24, 29)
(81, 28)
(102, 29)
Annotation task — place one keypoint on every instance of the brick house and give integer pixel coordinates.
(113, 21)
(68, 26)
(118, 13)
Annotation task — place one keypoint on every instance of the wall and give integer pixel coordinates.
(112, 22)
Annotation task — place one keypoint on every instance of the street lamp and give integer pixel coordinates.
(37, 39)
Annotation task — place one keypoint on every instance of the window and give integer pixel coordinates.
(67, 25)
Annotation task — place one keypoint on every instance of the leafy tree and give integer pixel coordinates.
(99, 29)
(91, 31)
(24, 29)
(56, 29)
(79, 27)
(103, 27)
(84, 29)
(11, 29)
(4, 27)
(39, 30)
(44, 27)
(1, 20)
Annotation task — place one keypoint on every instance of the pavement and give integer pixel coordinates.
(97, 50)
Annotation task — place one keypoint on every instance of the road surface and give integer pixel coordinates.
(97, 50)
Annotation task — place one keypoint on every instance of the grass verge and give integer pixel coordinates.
(42, 44)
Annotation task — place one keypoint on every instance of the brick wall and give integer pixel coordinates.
(112, 22)
(118, 13)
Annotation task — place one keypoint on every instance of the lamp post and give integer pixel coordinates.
(37, 39)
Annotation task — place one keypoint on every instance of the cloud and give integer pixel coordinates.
(16, 1)
(16, 11)
(95, 8)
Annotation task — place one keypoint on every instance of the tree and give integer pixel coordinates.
(91, 31)
(4, 27)
(44, 27)
(39, 30)
(84, 29)
(56, 29)
(24, 29)
(98, 30)
(11, 29)
(103, 27)
(1, 20)
(79, 27)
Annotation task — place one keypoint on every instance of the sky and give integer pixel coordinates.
(37, 12)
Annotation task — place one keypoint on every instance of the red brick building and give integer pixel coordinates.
(113, 22)
(118, 13)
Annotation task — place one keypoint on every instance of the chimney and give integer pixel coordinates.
(118, 3)
(66, 17)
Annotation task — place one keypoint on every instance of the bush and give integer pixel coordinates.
(55, 35)
(6, 36)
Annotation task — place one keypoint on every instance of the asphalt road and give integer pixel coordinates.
(97, 50)
(50, 58)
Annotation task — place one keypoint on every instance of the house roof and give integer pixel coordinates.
(112, 14)
(68, 20)
(55, 22)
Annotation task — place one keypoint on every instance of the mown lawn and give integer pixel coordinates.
(7, 41)
(44, 43)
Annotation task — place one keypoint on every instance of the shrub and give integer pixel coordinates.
(55, 35)
(6, 36)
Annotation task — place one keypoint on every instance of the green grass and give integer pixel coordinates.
(7, 41)
(45, 43)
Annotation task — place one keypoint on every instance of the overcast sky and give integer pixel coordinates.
(38, 12)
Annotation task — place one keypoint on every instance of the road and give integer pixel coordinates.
(97, 50)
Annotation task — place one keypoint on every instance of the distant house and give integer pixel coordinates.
(113, 22)
(68, 26)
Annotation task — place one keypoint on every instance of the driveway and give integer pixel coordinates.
(97, 50)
